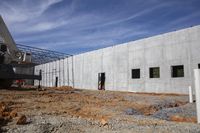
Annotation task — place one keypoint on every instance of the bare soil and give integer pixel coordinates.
(66, 109)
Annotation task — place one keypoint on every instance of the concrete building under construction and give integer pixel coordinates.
(161, 64)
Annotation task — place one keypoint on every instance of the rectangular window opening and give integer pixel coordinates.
(199, 66)
(135, 73)
(177, 71)
(154, 72)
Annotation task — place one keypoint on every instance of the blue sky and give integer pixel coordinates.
(76, 26)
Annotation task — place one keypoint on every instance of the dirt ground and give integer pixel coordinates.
(66, 109)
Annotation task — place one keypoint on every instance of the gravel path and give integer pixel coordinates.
(138, 124)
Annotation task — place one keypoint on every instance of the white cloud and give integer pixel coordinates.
(184, 19)
(24, 10)
(44, 24)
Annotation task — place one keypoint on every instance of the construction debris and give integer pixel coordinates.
(104, 122)
(22, 120)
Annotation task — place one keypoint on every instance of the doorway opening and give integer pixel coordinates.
(56, 82)
(101, 81)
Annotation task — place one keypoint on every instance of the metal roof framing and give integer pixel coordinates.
(42, 56)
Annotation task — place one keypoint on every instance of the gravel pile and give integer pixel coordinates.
(132, 111)
(188, 110)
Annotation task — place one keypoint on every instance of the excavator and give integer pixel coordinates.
(12, 59)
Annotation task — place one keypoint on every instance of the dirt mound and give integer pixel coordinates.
(4, 110)
(6, 113)
(179, 118)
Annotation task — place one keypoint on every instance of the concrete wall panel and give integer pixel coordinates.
(175, 48)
